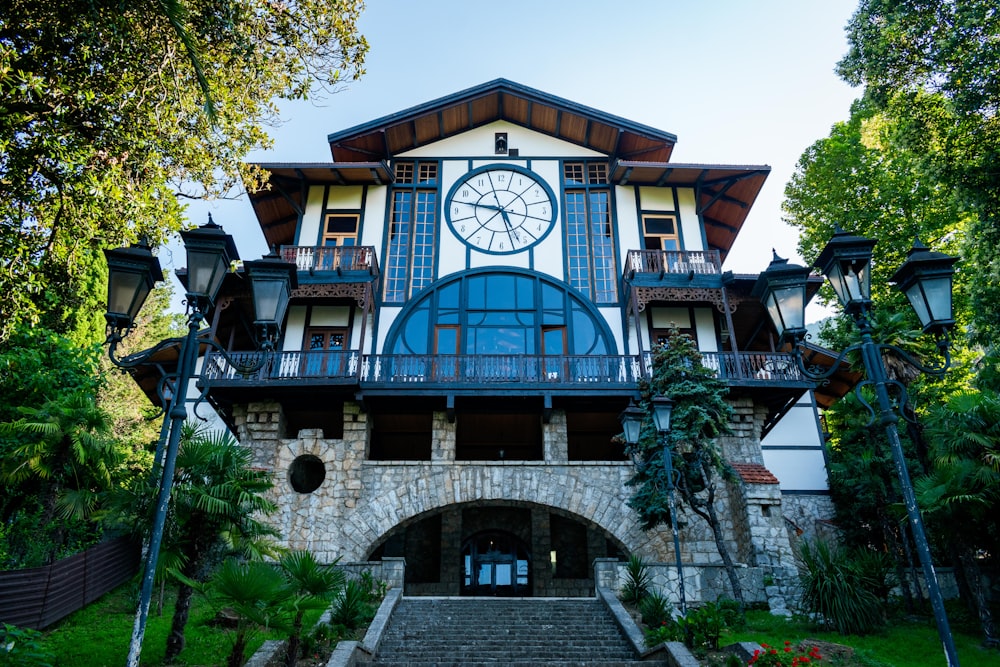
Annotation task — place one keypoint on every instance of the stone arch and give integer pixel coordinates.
(596, 495)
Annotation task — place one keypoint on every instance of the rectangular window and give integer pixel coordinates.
(660, 232)
(409, 259)
(590, 263)
(340, 229)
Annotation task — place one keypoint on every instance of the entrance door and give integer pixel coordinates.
(495, 563)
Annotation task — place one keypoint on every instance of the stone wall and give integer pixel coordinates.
(361, 502)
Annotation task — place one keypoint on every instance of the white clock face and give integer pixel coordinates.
(501, 209)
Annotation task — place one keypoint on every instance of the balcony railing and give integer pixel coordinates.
(678, 262)
(763, 366)
(416, 370)
(489, 369)
(342, 259)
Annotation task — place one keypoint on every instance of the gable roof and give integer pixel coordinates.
(500, 99)
(637, 155)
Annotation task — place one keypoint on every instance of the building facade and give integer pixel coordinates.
(481, 280)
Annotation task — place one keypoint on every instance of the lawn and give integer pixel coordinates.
(99, 634)
(906, 643)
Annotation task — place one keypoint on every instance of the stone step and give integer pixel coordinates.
(575, 632)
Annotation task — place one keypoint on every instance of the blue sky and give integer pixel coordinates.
(738, 82)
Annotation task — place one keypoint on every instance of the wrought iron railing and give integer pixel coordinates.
(680, 262)
(584, 371)
(332, 258)
(762, 366)
(482, 369)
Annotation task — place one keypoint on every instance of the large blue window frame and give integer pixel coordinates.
(412, 233)
(507, 311)
(590, 248)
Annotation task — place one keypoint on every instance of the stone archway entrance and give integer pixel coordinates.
(496, 563)
(499, 548)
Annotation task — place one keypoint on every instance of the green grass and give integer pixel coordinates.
(99, 634)
(905, 643)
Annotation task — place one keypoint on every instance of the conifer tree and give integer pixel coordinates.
(700, 415)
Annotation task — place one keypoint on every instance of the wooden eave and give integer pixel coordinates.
(501, 100)
(724, 194)
(280, 203)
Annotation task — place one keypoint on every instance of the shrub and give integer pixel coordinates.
(637, 580)
(839, 587)
(351, 607)
(21, 646)
(655, 609)
(703, 626)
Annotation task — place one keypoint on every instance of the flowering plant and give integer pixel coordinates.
(768, 656)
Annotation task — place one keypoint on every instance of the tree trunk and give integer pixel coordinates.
(239, 649)
(974, 580)
(175, 640)
(706, 510)
(292, 652)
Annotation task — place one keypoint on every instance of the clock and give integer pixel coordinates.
(501, 209)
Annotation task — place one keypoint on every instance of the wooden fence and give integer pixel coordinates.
(38, 597)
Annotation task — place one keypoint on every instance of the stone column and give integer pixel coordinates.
(442, 438)
(554, 439)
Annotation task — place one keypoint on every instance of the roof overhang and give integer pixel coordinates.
(724, 194)
(501, 100)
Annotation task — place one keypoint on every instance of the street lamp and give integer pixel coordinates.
(631, 418)
(132, 272)
(925, 278)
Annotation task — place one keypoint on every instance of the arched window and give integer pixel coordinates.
(510, 311)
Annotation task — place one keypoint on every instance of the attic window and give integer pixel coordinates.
(404, 172)
(585, 173)
(427, 172)
(597, 172)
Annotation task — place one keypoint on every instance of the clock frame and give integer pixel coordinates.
(501, 209)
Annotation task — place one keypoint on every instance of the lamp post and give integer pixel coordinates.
(926, 279)
(132, 272)
(631, 419)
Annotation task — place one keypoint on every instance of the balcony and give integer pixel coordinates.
(489, 373)
(335, 271)
(342, 260)
(660, 264)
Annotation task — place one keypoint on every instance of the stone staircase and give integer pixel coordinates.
(565, 632)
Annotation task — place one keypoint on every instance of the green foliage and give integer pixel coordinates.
(104, 124)
(841, 587)
(637, 580)
(313, 585)
(22, 647)
(216, 505)
(655, 608)
(354, 604)
(700, 629)
(259, 595)
(700, 415)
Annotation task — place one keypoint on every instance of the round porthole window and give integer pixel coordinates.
(306, 473)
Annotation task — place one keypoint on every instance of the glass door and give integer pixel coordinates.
(497, 564)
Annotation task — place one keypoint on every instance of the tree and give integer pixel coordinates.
(59, 459)
(931, 70)
(215, 508)
(103, 125)
(700, 415)
(963, 487)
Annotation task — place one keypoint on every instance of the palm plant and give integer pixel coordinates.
(314, 585)
(215, 506)
(62, 448)
(257, 593)
(960, 494)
